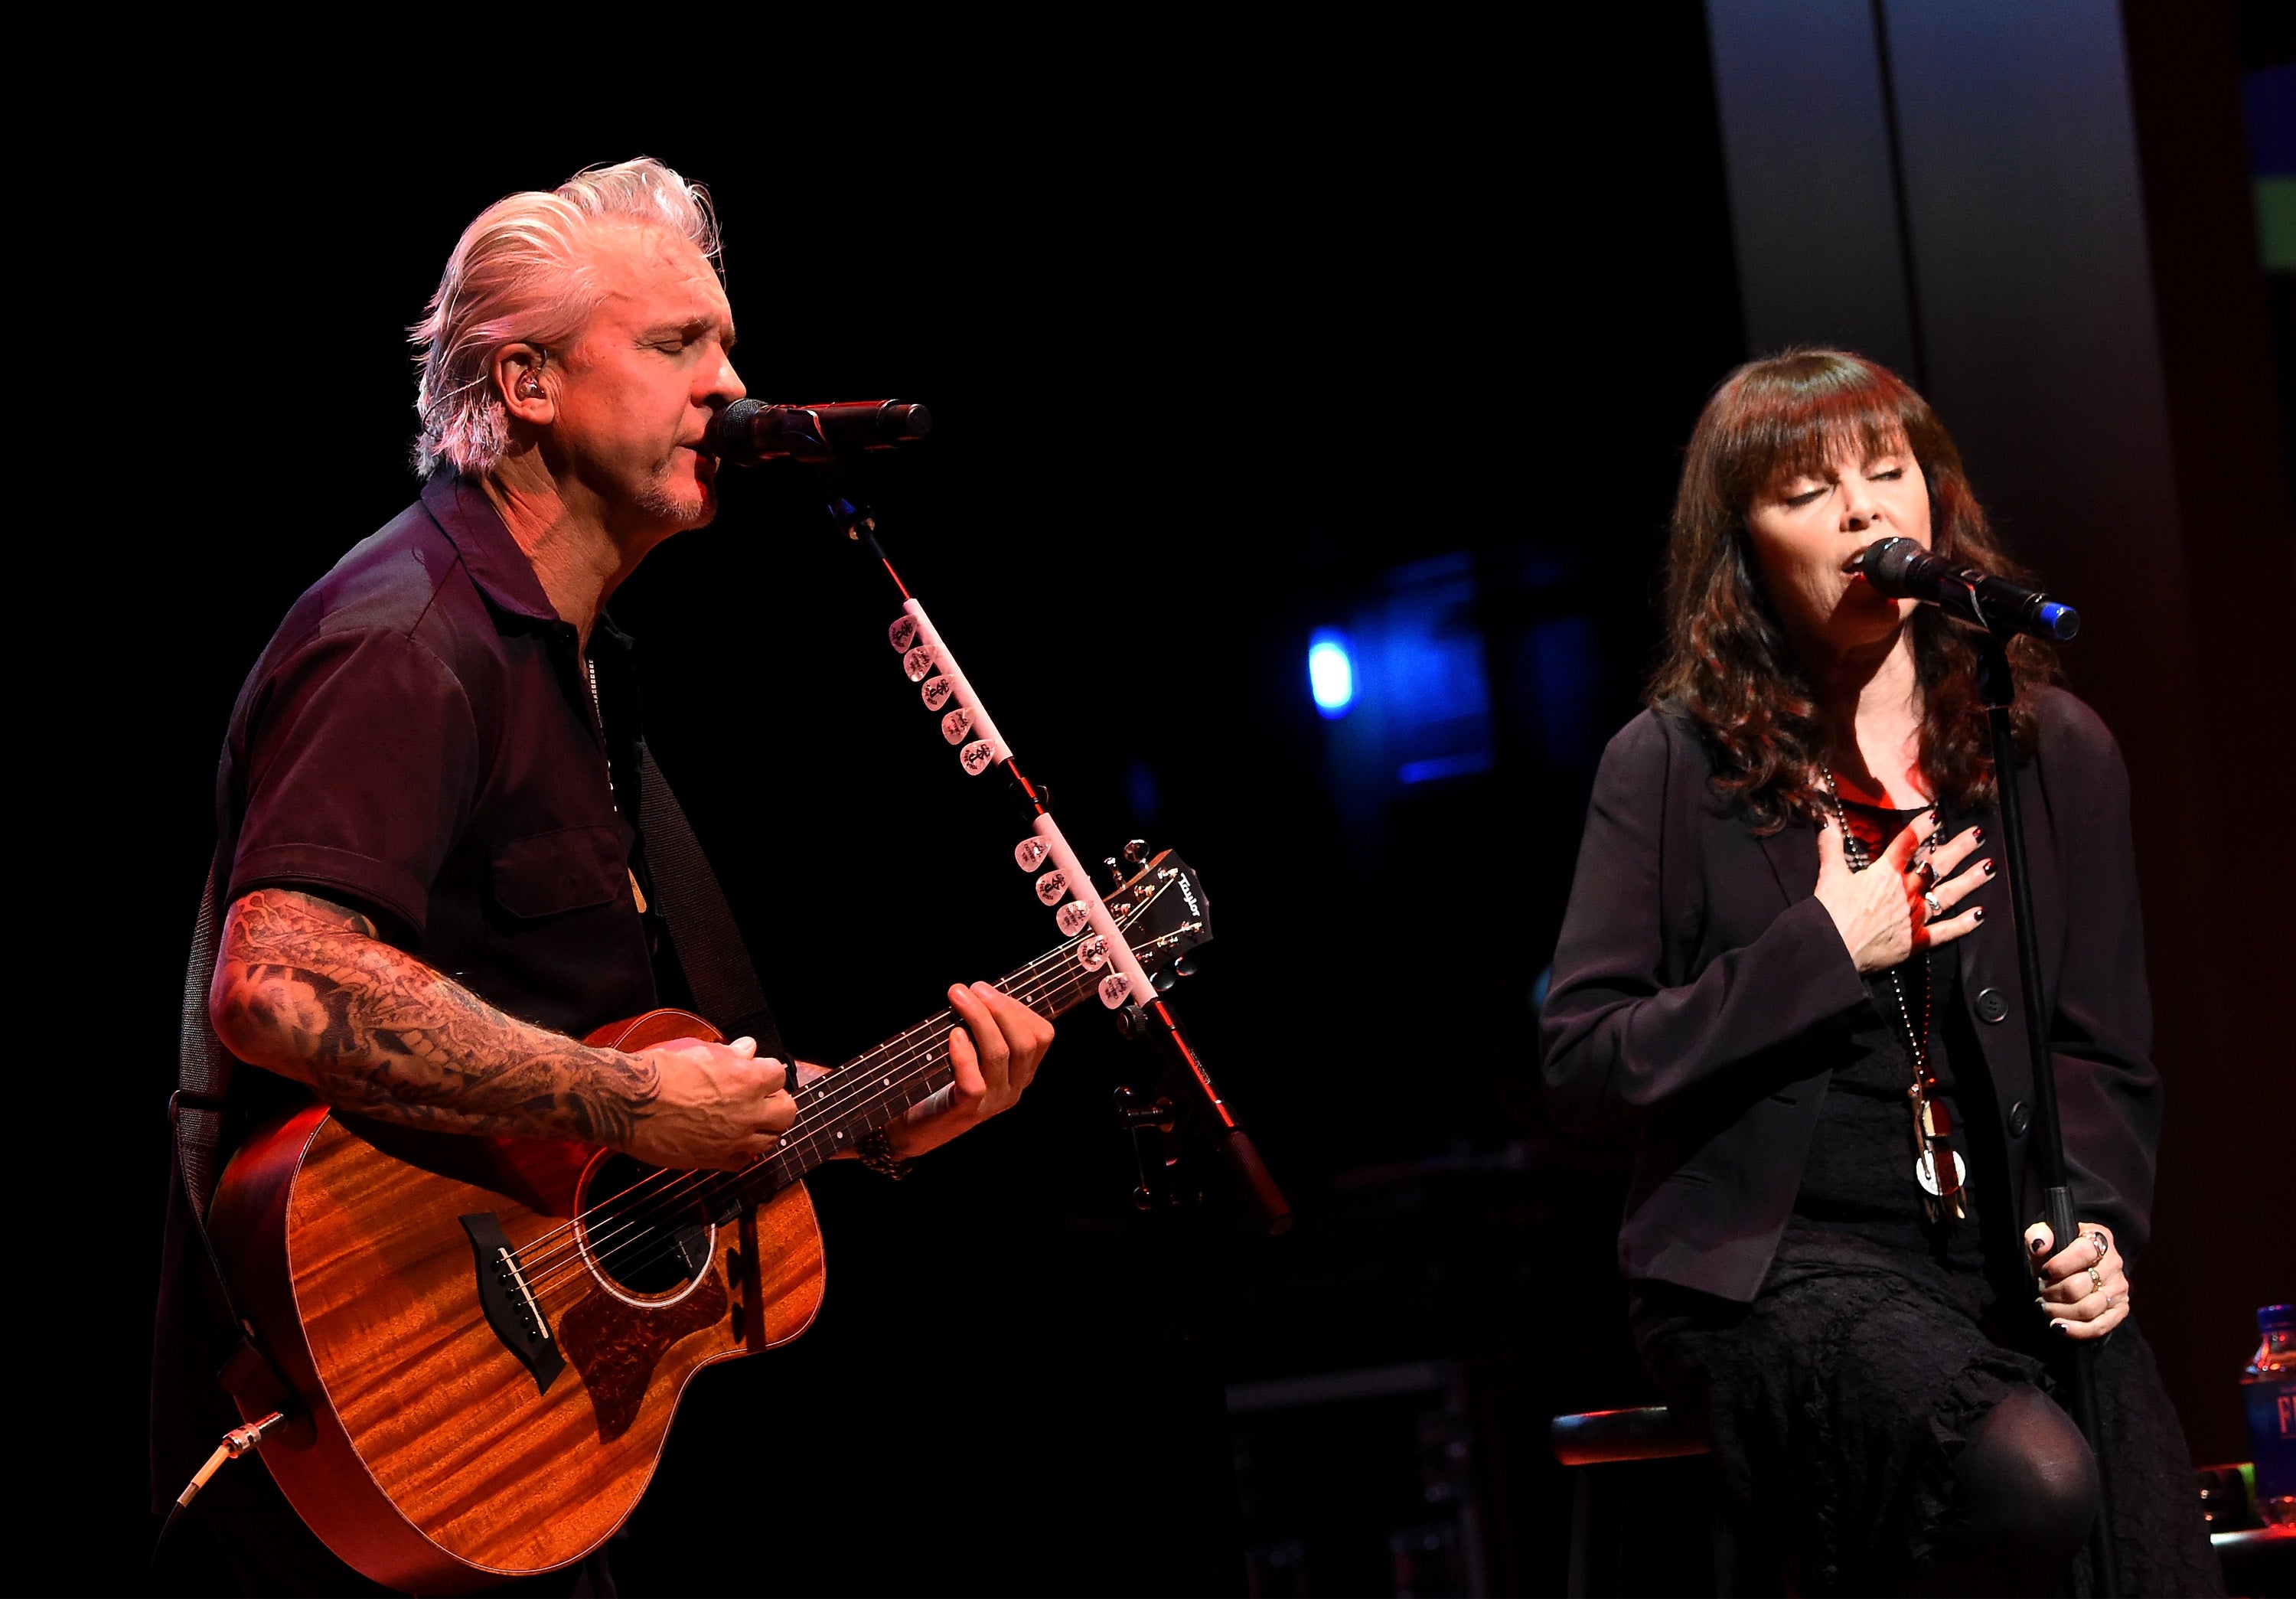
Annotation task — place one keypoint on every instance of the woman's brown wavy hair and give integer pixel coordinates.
(1728, 667)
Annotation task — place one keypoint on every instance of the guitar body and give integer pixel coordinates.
(440, 1460)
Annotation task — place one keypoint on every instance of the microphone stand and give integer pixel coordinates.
(1997, 687)
(1186, 1096)
(1143, 1010)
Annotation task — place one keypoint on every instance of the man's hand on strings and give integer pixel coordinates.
(2083, 1285)
(995, 1053)
(711, 1105)
(1899, 904)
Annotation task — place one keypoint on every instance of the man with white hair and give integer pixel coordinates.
(430, 844)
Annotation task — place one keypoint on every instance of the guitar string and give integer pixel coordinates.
(842, 1083)
(845, 1084)
(612, 1247)
(652, 1245)
(634, 1235)
(906, 1066)
(1053, 975)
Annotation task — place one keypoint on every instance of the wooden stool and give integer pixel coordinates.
(1597, 1437)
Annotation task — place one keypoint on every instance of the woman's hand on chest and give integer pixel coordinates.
(1899, 904)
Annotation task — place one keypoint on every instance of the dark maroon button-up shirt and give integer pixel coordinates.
(418, 740)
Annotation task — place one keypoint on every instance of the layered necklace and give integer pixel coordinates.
(1938, 1166)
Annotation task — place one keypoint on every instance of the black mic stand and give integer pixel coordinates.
(1148, 1016)
(1997, 686)
(1186, 1107)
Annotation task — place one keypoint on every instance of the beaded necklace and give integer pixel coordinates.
(1938, 1166)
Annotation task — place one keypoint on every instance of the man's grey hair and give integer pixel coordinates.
(522, 275)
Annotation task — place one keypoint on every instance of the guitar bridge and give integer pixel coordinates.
(509, 1304)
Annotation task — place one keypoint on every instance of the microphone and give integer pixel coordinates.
(749, 431)
(1903, 570)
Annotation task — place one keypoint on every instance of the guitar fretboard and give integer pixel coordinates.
(873, 1088)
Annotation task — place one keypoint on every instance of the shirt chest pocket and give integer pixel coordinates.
(565, 869)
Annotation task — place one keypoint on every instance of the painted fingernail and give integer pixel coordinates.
(1979, 914)
(1988, 868)
(2041, 1246)
(2061, 1328)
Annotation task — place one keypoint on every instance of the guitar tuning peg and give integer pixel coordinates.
(1164, 981)
(1135, 851)
(1186, 965)
(1115, 871)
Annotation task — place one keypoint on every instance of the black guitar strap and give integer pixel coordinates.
(203, 1072)
(702, 930)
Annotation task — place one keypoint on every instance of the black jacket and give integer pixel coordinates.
(1700, 986)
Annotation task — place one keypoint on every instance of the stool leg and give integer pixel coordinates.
(1725, 1542)
(1582, 1532)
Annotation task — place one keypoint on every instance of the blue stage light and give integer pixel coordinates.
(1331, 673)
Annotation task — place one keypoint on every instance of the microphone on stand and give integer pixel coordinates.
(749, 431)
(1903, 570)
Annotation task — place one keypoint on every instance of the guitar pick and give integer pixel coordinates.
(1073, 919)
(1030, 853)
(1094, 954)
(1050, 886)
(956, 724)
(937, 691)
(1113, 990)
(918, 663)
(903, 632)
(977, 755)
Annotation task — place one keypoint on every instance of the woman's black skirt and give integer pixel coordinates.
(1838, 1400)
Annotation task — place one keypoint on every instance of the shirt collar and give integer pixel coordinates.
(489, 553)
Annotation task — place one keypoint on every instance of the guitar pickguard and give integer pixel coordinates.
(616, 1345)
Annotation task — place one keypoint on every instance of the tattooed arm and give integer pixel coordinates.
(304, 988)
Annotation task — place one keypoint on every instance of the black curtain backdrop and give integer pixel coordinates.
(1212, 339)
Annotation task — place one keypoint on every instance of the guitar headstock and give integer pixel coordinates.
(1164, 913)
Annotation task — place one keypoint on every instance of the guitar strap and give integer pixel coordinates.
(196, 1108)
(702, 929)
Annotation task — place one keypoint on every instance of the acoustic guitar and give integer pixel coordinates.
(491, 1336)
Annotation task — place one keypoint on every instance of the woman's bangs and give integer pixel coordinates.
(1796, 428)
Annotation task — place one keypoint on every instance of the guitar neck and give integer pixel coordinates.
(873, 1088)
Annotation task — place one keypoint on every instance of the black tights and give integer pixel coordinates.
(2024, 1493)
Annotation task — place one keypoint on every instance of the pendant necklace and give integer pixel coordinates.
(1938, 1166)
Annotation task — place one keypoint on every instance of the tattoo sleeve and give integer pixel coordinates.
(306, 988)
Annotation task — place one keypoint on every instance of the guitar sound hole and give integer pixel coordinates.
(643, 1228)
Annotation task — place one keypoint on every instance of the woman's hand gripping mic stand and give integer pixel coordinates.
(1903, 569)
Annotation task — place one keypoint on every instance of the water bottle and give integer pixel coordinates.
(2269, 1386)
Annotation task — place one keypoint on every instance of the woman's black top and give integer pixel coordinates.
(1859, 1175)
(1701, 991)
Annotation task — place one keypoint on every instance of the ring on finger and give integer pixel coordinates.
(2097, 1241)
(1929, 904)
(2096, 1279)
(1926, 870)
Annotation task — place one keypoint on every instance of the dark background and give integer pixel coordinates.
(1215, 344)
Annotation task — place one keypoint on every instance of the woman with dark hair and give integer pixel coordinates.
(1777, 960)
